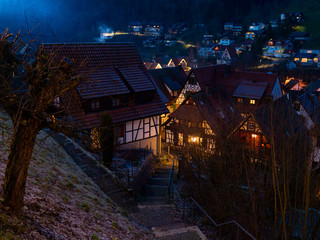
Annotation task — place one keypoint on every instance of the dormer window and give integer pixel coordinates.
(115, 102)
(95, 104)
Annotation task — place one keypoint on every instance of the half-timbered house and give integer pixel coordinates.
(273, 128)
(201, 118)
(119, 84)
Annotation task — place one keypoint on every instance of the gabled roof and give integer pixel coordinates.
(216, 108)
(219, 75)
(174, 77)
(162, 60)
(313, 86)
(111, 67)
(151, 65)
(290, 85)
(252, 90)
(279, 119)
(232, 52)
(222, 76)
(311, 105)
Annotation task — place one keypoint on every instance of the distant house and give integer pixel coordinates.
(307, 57)
(152, 65)
(226, 41)
(170, 42)
(201, 118)
(256, 27)
(278, 48)
(249, 90)
(185, 62)
(175, 30)
(246, 45)
(274, 23)
(292, 85)
(164, 61)
(299, 36)
(250, 35)
(154, 29)
(228, 26)
(206, 52)
(237, 29)
(119, 84)
(229, 56)
(135, 27)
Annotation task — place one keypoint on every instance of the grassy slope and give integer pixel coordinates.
(61, 201)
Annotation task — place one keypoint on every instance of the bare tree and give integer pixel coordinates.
(29, 84)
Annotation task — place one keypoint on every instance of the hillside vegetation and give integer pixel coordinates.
(61, 202)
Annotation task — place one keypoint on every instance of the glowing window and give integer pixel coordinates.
(252, 101)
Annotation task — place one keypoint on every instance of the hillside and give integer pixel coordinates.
(61, 202)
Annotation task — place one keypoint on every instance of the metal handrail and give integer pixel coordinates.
(175, 191)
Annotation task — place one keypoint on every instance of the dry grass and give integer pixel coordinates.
(61, 202)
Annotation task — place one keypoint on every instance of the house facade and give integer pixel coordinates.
(201, 119)
(118, 84)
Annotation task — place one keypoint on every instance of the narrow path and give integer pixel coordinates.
(158, 214)
(154, 212)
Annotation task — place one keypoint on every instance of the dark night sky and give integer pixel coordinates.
(79, 20)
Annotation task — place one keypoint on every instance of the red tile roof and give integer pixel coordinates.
(102, 61)
(114, 69)
(219, 76)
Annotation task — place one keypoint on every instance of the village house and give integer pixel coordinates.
(169, 82)
(307, 106)
(164, 61)
(256, 27)
(135, 27)
(278, 48)
(226, 41)
(152, 65)
(228, 26)
(272, 128)
(228, 57)
(292, 85)
(250, 35)
(307, 57)
(249, 90)
(237, 29)
(201, 119)
(118, 84)
(154, 29)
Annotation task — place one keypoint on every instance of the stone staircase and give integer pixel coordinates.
(156, 213)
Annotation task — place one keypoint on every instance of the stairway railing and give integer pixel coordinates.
(173, 192)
